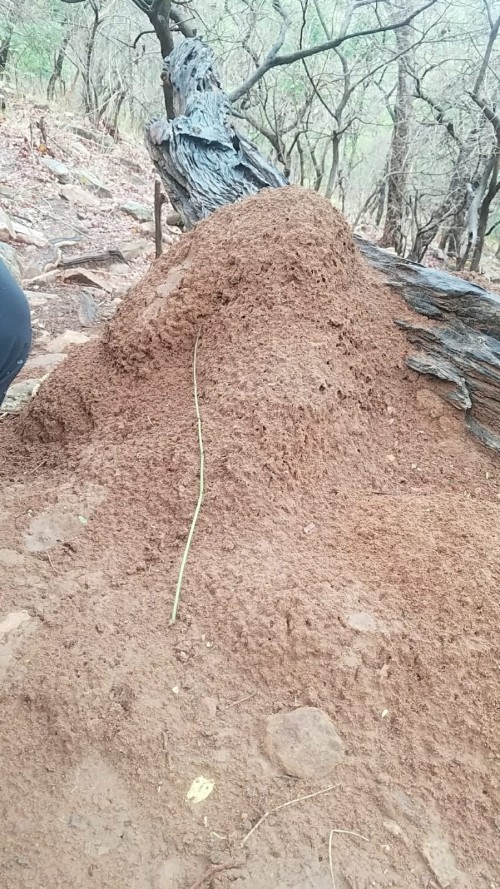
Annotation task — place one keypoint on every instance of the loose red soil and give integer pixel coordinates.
(310, 421)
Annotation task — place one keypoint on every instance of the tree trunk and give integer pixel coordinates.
(399, 162)
(201, 159)
(332, 178)
(159, 16)
(5, 48)
(56, 75)
(13, 18)
(485, 212)
(88, 92)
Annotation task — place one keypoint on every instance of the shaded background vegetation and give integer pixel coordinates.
(399, 127)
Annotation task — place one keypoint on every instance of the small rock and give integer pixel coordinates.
(75, 194)
(22, 862)
(7, 232)
(59, 170)
(69, 338)
(210, 706)
(38, 262)
(393, 827)
(90, 181)
(438, 855)
(13, 621)
(50, 529)
(137, 211)
(44, 278)
(108, 310)
(362, 621)
(66, 240)
(84, 276)
(45, 362)
(90, 136)
(126, 162)
(20, 394)
(304, 742)
(398, 804)
(9, 257)
(35, 299)
(87, 310)
(27, 235)
(174, 219)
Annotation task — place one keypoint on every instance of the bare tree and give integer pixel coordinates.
(473, 171)
(13, 17)
(166, 17)
(56, 76)
(400, 154)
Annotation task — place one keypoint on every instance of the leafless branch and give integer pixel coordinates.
(273, 60)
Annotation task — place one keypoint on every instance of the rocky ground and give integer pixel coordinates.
(68, 190)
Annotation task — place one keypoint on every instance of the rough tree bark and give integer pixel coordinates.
(463, 348)
(200, 157)
(492, 184)
(88, 92)
(204, 163)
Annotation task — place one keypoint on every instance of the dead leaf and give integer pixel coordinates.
(200, 789)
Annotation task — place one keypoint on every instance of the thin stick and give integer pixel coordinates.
(300, 799)
(250, 832)
(178, 588)
(292, 802)
(350, 833)
(216, 869)
(240, 701)
(330, 858)
(159, 200)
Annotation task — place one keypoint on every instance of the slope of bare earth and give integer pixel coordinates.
(345, 562)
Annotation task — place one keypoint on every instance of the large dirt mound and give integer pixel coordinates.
(345, 557)
(286, 257)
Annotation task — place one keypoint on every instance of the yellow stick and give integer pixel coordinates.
(178, 588)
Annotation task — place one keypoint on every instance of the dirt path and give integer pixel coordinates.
(339, 621)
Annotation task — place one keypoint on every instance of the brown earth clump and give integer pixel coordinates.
(345, 559)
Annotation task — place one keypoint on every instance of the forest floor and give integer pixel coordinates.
(324, 714)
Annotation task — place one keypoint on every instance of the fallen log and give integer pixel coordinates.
(463, 348)
(205, 163)
(106, 257)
